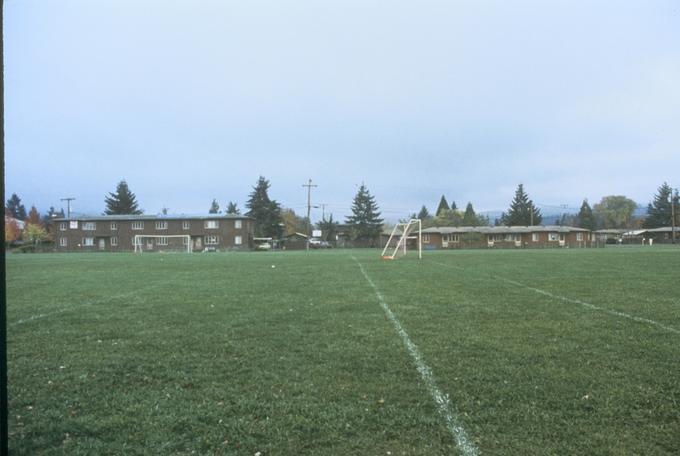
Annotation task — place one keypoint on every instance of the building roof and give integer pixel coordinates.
(663, 229)
(503, 229)
(95, 218)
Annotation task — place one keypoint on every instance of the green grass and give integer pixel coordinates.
(223, 354)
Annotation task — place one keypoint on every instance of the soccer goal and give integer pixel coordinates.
(172, 242)
(404, 232)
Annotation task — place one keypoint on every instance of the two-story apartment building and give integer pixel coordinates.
(119, 233)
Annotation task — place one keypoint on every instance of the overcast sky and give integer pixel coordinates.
(193, 100)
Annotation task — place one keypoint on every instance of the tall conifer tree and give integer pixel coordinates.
(365, 222)
(659, 211)
(522, 211)
(265, 211)
(443, 206)
(122, 202)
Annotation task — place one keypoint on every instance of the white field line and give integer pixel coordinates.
(587, 305)
(77, 306)
(467, 448)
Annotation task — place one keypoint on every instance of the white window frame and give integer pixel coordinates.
(161, 240)
(553, 237)
(137, 225)
(426, 238)
(89, 226)
(185, 241)
(137, 241)
(210, 239)
(73, 224)
(186, 225)
(161, 225)
(114, 226)
(497, 237)
(211, 224)
(63, 242)
(114, 241)
(238, 240)
(62, 226)
(238, 224)
(88, 242)
(534, 237)
(579, 236)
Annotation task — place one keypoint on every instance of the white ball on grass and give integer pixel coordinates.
(273, 266)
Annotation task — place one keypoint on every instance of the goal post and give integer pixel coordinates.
(405, 231)
(161, 242)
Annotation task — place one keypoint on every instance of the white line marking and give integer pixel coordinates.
(587, 305)
(442, 401)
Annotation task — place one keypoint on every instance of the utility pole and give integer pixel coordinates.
(323, 211)
(309, 186)
(673, 215)
(68, 205)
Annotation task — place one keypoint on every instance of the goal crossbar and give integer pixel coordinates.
(139, 246)
(407, 229)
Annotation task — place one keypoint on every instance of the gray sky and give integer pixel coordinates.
(193, 100)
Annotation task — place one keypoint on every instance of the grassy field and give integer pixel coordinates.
(340, 353)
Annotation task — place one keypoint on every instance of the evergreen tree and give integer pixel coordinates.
(52, 214)
(214, 207)
(443, 206)
(453, 206)
(16, 209)
(522, 211)
(122, 202)
(424, 214)
(365, 222)
(232, 208)
(266, 212)
(329, 228)
(470, 218)
(586, 218)
(659, 211)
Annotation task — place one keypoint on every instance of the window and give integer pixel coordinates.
(63, 242)
(562, 236)
(73, 224)
(89, 226)
(212, 224)
(163, 225)
(62, 227)
(88, 242)
(426, 238)
(534, 237)
(114, 226)
(114, 241)
(186, 225)
(161, 241)
(553, 237)
(450, 238)
(138, 225)
(185, 241)
(513, 237)
(238, 240)
(137, 241)
(497, 238)
(238, 225)
(210, 240)
(579, 236)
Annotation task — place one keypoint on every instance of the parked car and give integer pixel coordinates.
(317, 243)
(263, 246)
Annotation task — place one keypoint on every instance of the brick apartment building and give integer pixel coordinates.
(118, 233)
(506, 237)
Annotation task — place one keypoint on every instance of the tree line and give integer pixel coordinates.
(365, 222)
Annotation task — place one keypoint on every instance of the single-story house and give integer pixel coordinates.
(506, 237)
